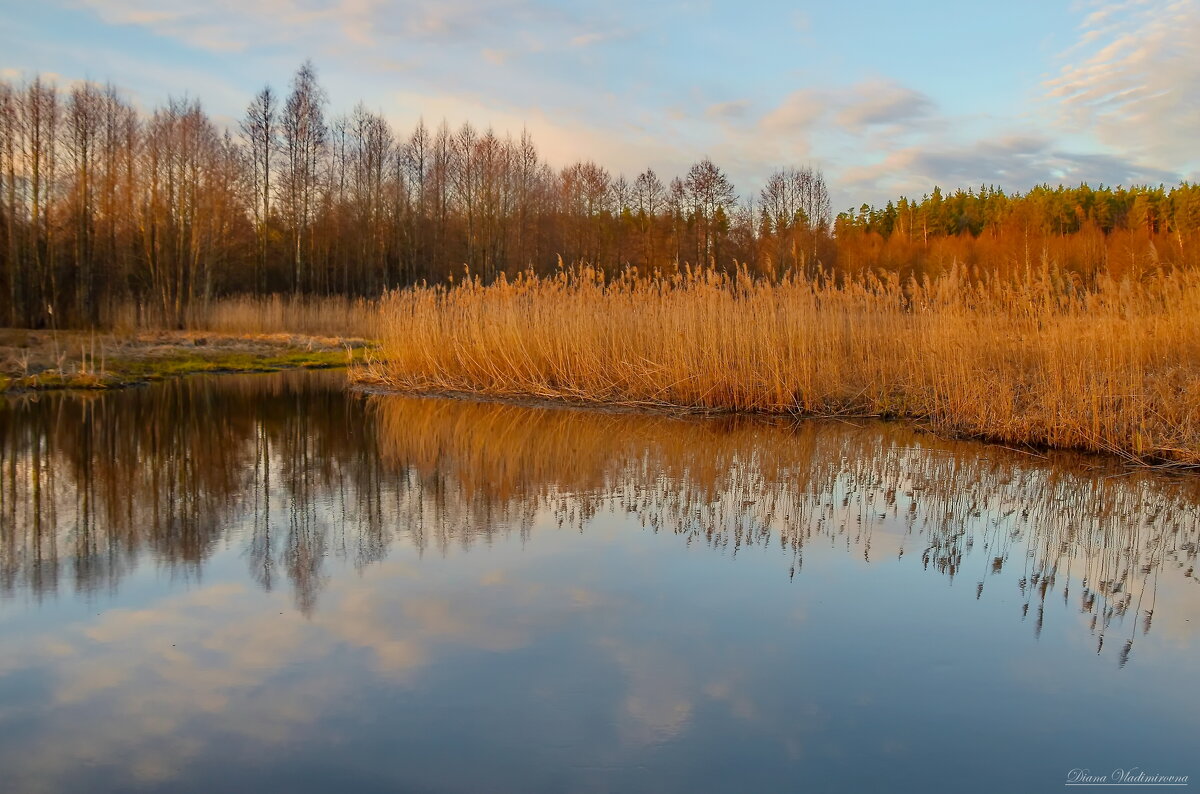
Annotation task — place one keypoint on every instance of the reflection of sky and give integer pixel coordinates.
(888, 97)
(615, 659)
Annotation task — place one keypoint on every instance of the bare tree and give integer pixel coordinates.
(796, 213)
(260, 128)
(11, 213)
(711, 195)
(101, 206)
(650, 196)
(305, 136)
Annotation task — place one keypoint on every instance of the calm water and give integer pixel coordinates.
(268, 583)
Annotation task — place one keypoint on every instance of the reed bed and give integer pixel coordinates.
(1037, 362)
(271, 314)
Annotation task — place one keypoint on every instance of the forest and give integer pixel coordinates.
(104, 208)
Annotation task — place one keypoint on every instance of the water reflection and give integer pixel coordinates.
(92, 483)
(267, 583)
(296, 472)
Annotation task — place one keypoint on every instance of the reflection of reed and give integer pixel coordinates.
(1058, 525)
(295, 471)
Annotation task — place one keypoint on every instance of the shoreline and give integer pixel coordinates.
(34, 361)
(155, 357)
(1115, 460)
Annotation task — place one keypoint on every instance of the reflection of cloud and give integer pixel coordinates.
(655, 715)
(657, 706)
(402, 636)
(727, 692)
(173, 678)
(153, 676)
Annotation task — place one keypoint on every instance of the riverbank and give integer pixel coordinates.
(36, 360)
(1040, 363)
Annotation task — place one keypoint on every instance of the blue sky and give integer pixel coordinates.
(887, 97)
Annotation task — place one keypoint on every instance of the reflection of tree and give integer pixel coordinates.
(295, 471)
(88, 483)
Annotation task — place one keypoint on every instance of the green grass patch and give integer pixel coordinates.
(168, 366)
(124, 372)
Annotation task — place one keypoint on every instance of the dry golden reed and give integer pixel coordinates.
(1037, 361)
(272, 314)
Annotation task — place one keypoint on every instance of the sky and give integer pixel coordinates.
(886, 97)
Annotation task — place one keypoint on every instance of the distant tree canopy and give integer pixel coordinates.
(101, 206)
(1081, 230)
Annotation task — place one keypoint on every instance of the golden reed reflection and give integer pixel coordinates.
(1062, 524)
(297, 471)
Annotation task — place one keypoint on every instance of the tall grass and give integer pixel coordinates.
(1038, 361)
(272, 314)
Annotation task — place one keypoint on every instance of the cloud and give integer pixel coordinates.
(879, 137)
(797, 112)
(496, 57)
(621, 145)
(220, 26)
(1122, 104)
(343, 26)
(14, 75)
(881, 102)
(594, 37)
(1017, 161)
(869, 103)
(734, 109)
(1132, 80)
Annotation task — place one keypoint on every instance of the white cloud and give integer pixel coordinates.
(1133, 81)
(1016, 161)
(855, 108)
(733, 109)
(330, 25)
(883, 102)
(797, 112)
(496, 57)
(593, 37)
(1124, 106)
(561, 139)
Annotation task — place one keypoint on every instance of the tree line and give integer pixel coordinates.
(1081, 231)
(102, 207)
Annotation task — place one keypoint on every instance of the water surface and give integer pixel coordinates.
(249, 583)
